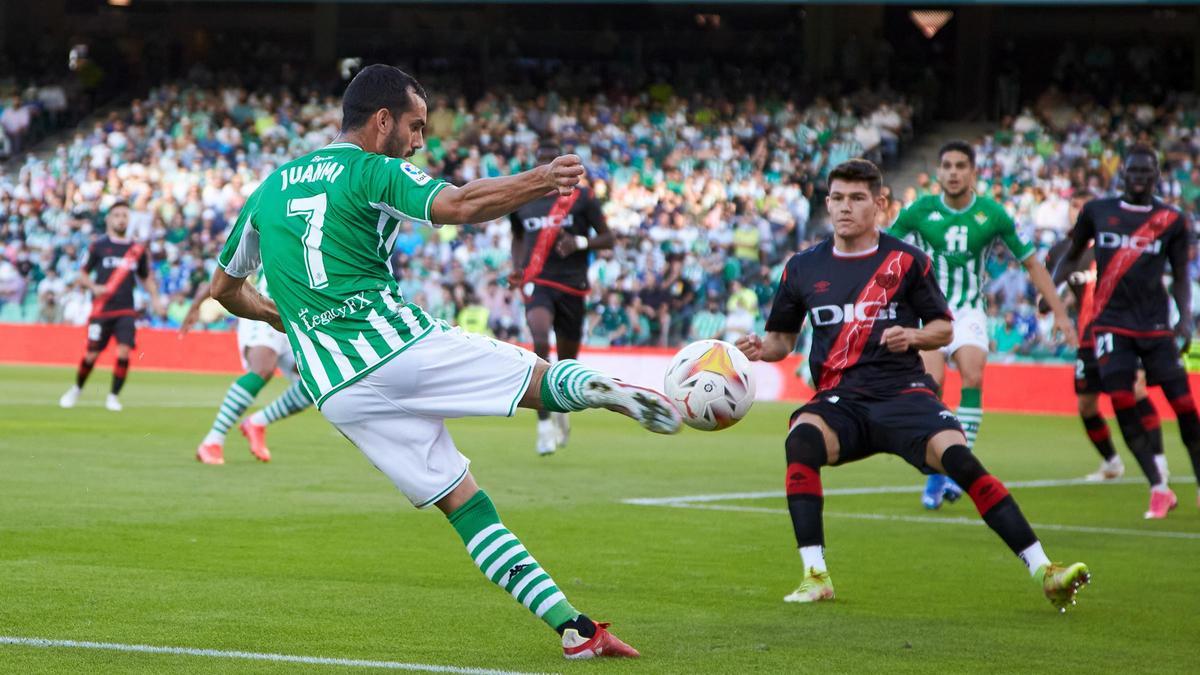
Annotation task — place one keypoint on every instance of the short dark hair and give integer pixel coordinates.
(1142, 149)
(375, 87)
(858, 171)
(958, 146)
(120, 203)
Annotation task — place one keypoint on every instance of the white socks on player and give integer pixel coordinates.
(214, 437)
(814, 558)
(1160, 461)
(1034, 557)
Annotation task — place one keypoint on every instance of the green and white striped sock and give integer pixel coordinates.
(970, 413)
(291, 401)
(239, 397)
(503, 560)
(562, 386)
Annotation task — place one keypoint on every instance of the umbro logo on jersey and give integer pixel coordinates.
(946, 414)
(820, 287)
(935, 217)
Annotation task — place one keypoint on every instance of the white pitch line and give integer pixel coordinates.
(251, 656)
(939, 520)
(878, 490)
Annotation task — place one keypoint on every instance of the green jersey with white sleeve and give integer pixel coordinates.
(958, 243)
(324, 226)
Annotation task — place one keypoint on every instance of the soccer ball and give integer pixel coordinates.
(711, 383)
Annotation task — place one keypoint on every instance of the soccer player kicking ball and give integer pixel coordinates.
(263, 349)
(957, 230)
(867, 293)
(1135, 237)
(379, 368)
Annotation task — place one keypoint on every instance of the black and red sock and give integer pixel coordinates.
(805, 447)
(1100, 436)
(992, 500)
(82, 372)
(119, 373)
(1141, 442)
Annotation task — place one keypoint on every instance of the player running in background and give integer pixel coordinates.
(551, 237)
(1135, 236)
(1081, 280)
(384, 373)
(957, 229)
(115, 260)
(262, 350)
(874, 305)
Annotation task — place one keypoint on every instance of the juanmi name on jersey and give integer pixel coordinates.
(323, 171)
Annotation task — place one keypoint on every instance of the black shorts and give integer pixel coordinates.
(100, 331)
(1087, 372)
(900, 425)
(568, 310)
(1120, 356)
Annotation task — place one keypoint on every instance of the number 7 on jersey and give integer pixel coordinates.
(312, 210)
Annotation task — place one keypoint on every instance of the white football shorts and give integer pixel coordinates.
(396, 413)
(260, 334)
(970, 329)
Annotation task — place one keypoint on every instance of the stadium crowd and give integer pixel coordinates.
(707, 196)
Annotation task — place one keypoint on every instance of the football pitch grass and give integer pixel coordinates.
(111, 532)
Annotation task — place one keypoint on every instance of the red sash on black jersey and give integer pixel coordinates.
(852, 339)
(1124, 258)
(128, 263)
(547, 236)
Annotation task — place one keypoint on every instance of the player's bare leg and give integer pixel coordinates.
(506, 562)
(540, 319)
(69, 399)
(261, 362)
(947, 452)
(810, 444)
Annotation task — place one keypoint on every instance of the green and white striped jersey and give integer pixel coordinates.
(958, 242)
(324, 226)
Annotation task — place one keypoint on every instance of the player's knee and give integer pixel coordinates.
(1088, 406)
(959, 462)
(972, 378)
(805, 447)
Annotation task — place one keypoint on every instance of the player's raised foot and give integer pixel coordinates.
(210, 453)
(562, 424)
(547, 438)
(256, 434)
(113, 403)
(1161, 502)
(601, 644)
(935, 492)
(816, 587)
(69, 399)
(953, 491)
(1060, 583)
(650, 408)
(1110, 469)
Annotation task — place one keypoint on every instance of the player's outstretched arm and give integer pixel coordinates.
(489, 198)
(241, 299)
(774, 347)
(933, 335)
(1046, 287)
